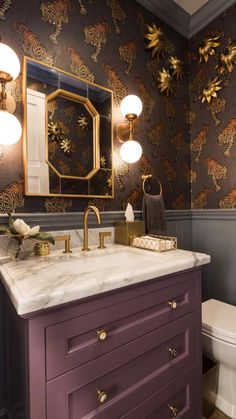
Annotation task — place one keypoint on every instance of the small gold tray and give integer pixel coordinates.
(155, 243)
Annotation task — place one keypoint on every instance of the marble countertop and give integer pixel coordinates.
(41, 282)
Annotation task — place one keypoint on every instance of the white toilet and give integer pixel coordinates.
(219, 343)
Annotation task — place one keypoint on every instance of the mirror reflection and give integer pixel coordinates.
(68, 135)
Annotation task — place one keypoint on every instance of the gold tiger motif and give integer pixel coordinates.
(145, 166)
(96, 35)
(14, 88)
(116, 84)
(216, 106)
(5, 6)
(154, 136)
(12, 197)
(170, 173)
(148, 103)
(121, 169)
(227, 136)
(197, 143)
(229, 200)
(57, 204)
(78, 66)
(32, 45)
(127, 54)
(118, 14)
(56, 13)
(201, 200)
(217, 172)
(177, 142)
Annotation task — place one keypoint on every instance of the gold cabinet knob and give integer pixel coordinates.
(174, 411)
(102, 396)
(102, 335)
(173, 304)
(173, 352)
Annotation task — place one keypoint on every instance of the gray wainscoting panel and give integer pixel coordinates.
(214, 232)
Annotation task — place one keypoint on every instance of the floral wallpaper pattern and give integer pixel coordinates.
(213, 130)
(104, 41)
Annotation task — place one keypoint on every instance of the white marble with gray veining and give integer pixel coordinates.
(41, 282)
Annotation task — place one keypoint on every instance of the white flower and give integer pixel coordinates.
(22, 228)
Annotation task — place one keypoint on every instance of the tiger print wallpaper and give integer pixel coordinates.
(213, 124)
(104, 41)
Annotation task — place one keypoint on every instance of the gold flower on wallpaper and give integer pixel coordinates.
(103, 161)
(154, 136)
(177, 67)
(96, 35)
(67, 146)
(165, 81)
(78, 66)
(5, 6)
(208, 48)
(118, 14)
(55, 132)
(201, 200)
(32, 46)
(56, 13)
(229, 200)
(217, 171)
(83, 122)
(197, 143)
(226, 137)
(227, 59)
(216, 106)
(57, 204)
(148, 102)
(12, 197)
(210, 91)
(156, 42)
(116, 84)
(170, 173)
(127, 54)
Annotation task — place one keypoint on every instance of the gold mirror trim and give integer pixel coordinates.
(25, 142)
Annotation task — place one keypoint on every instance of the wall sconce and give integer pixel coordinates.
(10, 127)
(131, 107)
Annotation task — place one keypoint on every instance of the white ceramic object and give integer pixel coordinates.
(219, 343)
(129, 213)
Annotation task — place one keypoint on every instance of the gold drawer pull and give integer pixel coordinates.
(174, 411)
(173, 352)
(102, 396)
(173, 304)
(102, 335)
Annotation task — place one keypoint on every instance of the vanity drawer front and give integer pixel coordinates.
(74, 342)
(122, 371)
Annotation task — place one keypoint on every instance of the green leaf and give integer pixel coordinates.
(4, 228)
(45, 237)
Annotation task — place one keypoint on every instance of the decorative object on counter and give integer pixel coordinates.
(156, 243)
(131, 107)
(129, 213)
(20, 231)
(153, 209)
(208, 48)
(210, 91)
(41, 249)
(10, 127)
(124, 231)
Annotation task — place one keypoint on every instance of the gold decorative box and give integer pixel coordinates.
(124, 231)
(156, 243)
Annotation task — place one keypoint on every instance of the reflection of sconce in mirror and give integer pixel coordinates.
(10, 127)
(131, 107)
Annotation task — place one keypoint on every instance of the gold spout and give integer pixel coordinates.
(86, 213)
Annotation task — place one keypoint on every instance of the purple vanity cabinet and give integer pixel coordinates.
(131, 353)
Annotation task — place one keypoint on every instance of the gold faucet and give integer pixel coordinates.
(86, 213)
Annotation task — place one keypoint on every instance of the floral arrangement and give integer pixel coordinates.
(20, 231)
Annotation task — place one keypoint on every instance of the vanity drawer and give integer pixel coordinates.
(122, 371)
(74, 342)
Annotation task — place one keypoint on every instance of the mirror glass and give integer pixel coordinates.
(68, 134)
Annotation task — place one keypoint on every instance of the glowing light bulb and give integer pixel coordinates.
(10, 128)
(131, 151)
(131, 104)
(9, 62)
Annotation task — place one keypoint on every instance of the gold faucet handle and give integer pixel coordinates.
(65, 238)
(102, 236)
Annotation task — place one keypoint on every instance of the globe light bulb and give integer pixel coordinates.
(131, 104)
(9, 62)
(10, 128)
(131, 151)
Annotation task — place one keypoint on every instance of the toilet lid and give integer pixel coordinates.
(219, 320)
